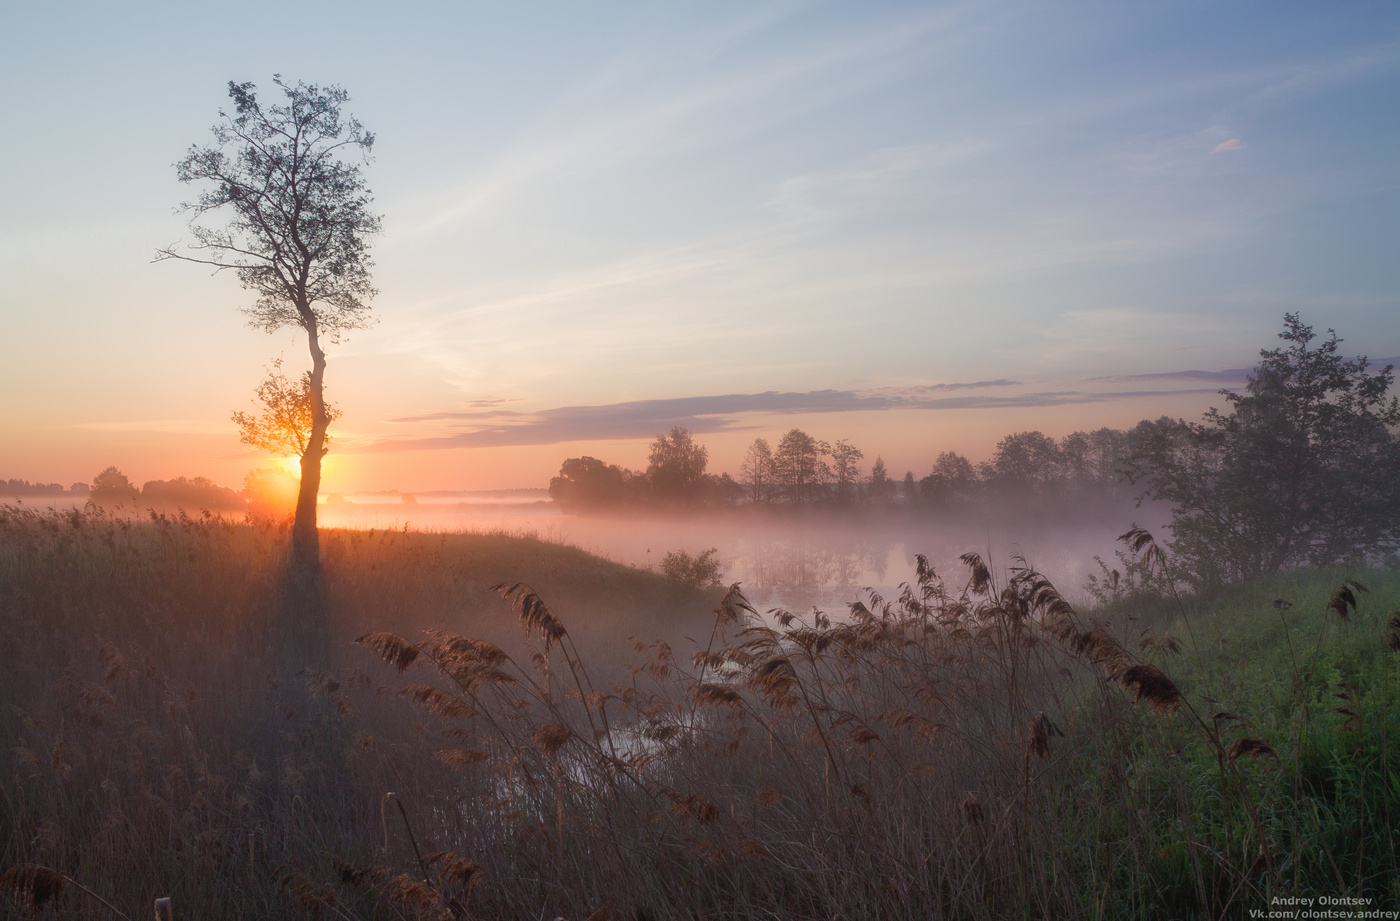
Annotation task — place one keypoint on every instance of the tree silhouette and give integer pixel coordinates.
(798, 468)
(676, 468)
(756, 473)
(845, 471)
(588, 483)
(1026, 462)
(952, 481)
(881, 486)
(1305, 469)
(297, 230)
(111, 487)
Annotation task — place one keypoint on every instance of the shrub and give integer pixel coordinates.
(699, 571)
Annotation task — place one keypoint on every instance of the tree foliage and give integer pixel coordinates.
(880, 488)
(283, 426)
(191, 494)
(1073, 474)
(586, 483)
(15, 487)
(676, 467)
(951, 482)
(675, 476)
(297, 220)
(845, 472)
(799, 471)
(756, 472)
(1304, 469)
(1026, 462)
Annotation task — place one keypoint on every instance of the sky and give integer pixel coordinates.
(915, 226)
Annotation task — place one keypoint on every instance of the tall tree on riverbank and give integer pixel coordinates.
(297, 228)
(757, 471)
(1305, 469)
(845, 472)
(881, 487)
(799, 471)
(676, 467)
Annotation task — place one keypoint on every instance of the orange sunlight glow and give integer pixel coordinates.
(271, 491)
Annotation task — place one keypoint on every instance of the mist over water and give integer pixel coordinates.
(795, 561)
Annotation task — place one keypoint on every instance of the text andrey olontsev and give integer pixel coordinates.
(1326, 906)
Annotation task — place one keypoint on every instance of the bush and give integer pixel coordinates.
(700, 571)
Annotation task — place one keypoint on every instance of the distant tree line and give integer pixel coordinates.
(805, 471)
(675, 476)
(24, 488)
(112, 489)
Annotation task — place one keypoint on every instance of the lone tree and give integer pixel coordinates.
(296, 231)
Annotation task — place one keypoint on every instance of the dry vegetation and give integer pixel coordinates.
(975, 748)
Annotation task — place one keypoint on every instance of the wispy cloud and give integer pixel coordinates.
(637, 419)
(1232, 144)
(588, 130)
(1229, 376)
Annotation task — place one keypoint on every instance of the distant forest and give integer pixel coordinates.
(111, 488)
(24, 489)
(805, 471)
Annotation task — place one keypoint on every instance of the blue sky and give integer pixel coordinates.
(610, 214)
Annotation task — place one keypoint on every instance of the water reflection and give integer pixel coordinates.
(814, 568)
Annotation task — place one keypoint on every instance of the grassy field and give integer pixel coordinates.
(974, 749)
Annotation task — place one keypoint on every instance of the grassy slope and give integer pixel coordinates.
(1313, 817)
(408, 582)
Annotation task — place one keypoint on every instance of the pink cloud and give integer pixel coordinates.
(1232, 144)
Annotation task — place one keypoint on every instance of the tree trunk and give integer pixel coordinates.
(306, 618)
(306, 545)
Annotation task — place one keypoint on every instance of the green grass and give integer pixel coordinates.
(1315, 816)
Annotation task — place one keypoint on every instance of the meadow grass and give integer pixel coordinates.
(550, 746)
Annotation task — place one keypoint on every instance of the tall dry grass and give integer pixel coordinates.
(160, 741)
(974, 748)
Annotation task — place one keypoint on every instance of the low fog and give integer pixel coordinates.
(784, 559)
